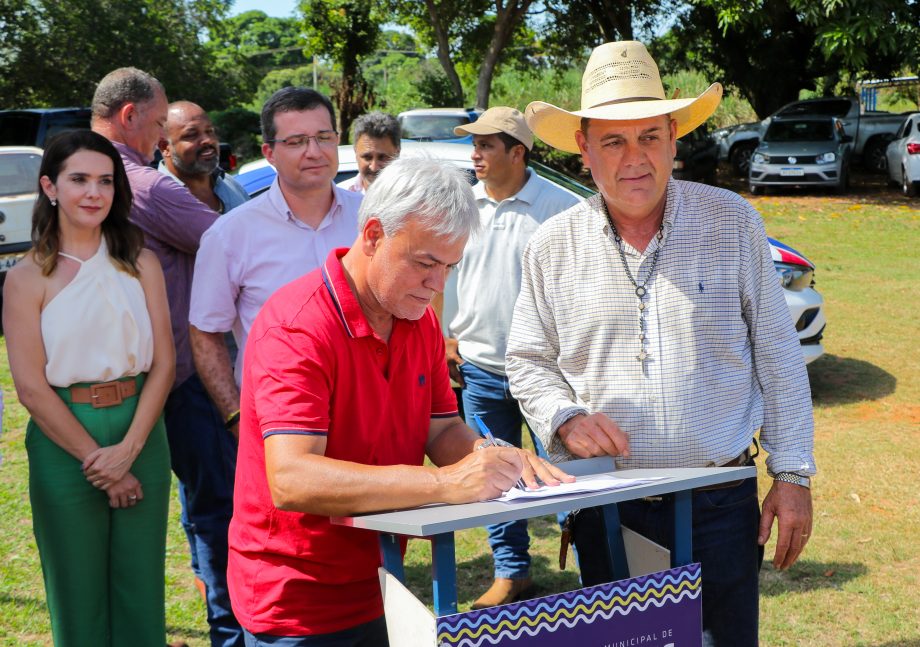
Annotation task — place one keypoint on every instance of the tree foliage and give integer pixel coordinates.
(346, 32)
(470, 33)
(876, 37)
(267, 41)
(571, 27)
(53, 53)
(772, 49)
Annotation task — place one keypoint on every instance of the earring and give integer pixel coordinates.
(53, 202)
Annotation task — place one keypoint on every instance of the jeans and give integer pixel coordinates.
(370, 634)
(203, 455)
(488, 396)
(725, 524)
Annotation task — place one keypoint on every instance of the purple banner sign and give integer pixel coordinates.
(658, 610)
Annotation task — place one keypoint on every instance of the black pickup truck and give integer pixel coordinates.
(33, 126)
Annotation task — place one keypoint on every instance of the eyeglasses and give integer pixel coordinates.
(323, 138)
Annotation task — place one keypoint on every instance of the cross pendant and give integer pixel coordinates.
(642, 356)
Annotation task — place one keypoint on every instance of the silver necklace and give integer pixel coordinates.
(641, 291)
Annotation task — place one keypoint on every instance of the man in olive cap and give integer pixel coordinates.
(513, 202)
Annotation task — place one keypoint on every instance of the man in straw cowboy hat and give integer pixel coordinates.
(651, 327)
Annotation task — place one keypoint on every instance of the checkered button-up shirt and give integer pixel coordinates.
(723, 356)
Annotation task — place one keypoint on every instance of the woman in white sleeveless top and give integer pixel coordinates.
(91, 354)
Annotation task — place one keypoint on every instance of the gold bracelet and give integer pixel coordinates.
(232, 419)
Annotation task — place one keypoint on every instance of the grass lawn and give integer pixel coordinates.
(858, 582)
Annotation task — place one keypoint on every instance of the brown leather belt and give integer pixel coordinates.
(739, 461)
(104, 394)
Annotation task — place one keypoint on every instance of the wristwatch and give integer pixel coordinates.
(792, 477)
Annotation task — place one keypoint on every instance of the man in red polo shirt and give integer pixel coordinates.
(345, 391)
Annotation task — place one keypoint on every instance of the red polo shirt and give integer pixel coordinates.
(313, 365)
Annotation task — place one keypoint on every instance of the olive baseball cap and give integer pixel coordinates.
(500, 119)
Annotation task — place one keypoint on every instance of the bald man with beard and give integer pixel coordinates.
(206, 460)
(191, 155)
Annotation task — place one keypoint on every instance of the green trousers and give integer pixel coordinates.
(104, 568)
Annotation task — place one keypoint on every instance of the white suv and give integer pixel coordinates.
(436, 124)
(19, 167)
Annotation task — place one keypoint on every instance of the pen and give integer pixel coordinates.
(490, 442)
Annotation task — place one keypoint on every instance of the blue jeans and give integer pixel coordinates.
(725, 524)
(488, 396)
(203, 455)
(370, 634)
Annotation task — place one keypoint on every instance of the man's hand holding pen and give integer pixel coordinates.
(533, 467)
(486, 474)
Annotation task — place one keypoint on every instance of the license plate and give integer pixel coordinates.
(8, 261)
(792, 172)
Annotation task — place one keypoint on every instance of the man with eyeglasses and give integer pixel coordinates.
(272, 239)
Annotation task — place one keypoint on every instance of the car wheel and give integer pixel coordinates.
(908, 188)
(844, 184)
(741, 158)
(756, 189)
(874, 158)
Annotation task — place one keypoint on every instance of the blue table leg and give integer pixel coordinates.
(392, 556)
(615, 542)
(683, 529)
(444, 574)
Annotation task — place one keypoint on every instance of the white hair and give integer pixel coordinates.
(431, 191)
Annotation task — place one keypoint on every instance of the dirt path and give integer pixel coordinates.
(865, 188)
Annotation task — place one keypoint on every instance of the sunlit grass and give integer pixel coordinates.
(857, 583)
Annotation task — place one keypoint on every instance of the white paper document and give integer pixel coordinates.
(583, 484)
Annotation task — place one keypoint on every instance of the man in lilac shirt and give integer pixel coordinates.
(129, 108)
(272, 239)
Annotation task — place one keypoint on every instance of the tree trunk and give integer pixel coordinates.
(444, 52)
(613, 18)
(507, 18)
(352, 95)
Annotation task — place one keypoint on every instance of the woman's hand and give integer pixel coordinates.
(126, 492)
(106, 466)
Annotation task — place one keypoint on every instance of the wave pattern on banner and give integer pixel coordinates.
(606, 592)
(567, 610)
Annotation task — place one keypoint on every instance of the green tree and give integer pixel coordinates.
(54, 53)
(571, 26)
(252, 44)
(346, 32)
(773, 49)
(241, 129)
(270, 42)
(397, 71)
(290, 76)
(468, 33)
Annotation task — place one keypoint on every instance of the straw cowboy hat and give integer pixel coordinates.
(620, 82)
